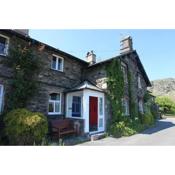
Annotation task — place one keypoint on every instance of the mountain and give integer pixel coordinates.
(163, 87)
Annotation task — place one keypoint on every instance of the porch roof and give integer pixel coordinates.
(85, 85)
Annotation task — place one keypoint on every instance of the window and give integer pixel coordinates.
(124, 70)
(55, 103)
(139, 82)
(100, 122)
(1, 98)
(57, 63)
(125, 104)
(4, 41)
(101, 106)
(141, 106)
(76, 106)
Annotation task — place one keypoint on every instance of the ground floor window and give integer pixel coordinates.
(55, 103)
(1, 98)
(125, 104)
(76, 106)
(140, 101)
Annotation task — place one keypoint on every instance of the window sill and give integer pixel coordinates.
(75, 117)
(4, 55)
(56, 70)
(54, 113)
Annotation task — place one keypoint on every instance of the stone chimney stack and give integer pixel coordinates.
(126, 45)
(91, 57)
(24, 32)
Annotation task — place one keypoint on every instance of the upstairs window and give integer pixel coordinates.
(55, 103)
(139, 82)
(125, 73)
(4, 42)
(57, 63)
(1, 98)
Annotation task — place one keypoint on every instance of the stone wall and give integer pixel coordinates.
(50, 81)
(97, 75)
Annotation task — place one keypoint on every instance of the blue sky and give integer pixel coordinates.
(156, 48)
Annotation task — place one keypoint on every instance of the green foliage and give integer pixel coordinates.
(23, 127)
(25, 66)
(148, 119)
(115, 82)
(132, 104)
(167, 106)
(126, 128)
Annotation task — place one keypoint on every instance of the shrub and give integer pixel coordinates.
(121, 129)
(167, 106)
(148, 119)
(23, 127)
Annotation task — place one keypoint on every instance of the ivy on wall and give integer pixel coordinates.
(132, 103)
(25, 66)
(115, 91)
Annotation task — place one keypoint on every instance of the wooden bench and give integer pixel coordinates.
(61, 127)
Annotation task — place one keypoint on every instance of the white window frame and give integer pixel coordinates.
(140, 103)
(139, 82)
(1, 98)
(57, 57)
(124, 70)
(6, 45)
(55, 101)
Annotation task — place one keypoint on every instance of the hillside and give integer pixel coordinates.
(164, 87)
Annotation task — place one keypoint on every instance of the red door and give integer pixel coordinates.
(93, 113)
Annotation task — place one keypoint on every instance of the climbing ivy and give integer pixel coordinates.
(25, 66)
(132, 103)
(115, 91)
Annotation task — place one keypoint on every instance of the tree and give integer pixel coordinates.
(166, 105)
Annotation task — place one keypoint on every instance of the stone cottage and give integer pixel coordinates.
(71, 87)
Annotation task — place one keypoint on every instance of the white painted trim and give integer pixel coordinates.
(57, 56)
(7, 45)
(86, 94)
(69, 104)
(1, 98)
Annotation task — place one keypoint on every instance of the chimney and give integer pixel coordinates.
(91, 57)
(24, 32)
(126, 45)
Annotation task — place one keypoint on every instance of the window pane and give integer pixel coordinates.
(101, 106)
(2, 44)
(57, 106)
(51, 107)
(60, 63)
(100, 122)
(76, 106)
(54, 62)
(55, 96)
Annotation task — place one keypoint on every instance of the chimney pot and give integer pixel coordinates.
(126, 45)
(91, 57)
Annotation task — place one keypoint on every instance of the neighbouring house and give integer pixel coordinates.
(70, 87)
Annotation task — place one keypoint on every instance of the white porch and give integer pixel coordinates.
(86, 102)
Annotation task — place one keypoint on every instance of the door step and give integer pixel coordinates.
(97, 136)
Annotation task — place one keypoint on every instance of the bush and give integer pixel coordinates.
(167, 106)
(148, 119)
(23, 127)
(121, 129)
